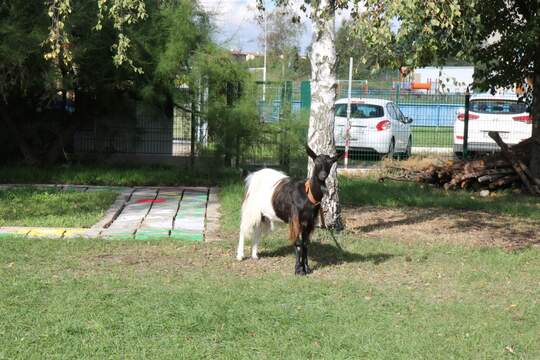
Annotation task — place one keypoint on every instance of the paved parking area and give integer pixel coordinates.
(143, 213)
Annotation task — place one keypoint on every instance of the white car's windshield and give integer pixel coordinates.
(498, 107)
(360, 111)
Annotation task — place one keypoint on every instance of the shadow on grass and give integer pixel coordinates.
(327, 255)
(414, 217)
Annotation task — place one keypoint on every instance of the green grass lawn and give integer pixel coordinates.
(378, 299)
(51, 207)
(432, 136)
(368, 191)
(116, 175)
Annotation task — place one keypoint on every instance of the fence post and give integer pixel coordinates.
(193, 134)
(305, 94)
(286, 110)
(466, 124)
(397, 93)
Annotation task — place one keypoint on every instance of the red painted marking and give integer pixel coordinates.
(143, 201)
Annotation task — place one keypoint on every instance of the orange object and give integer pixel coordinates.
(421, 86)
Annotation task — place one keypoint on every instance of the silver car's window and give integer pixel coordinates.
(498, 107)
(360, 111)
(391, 111)
(399, 114)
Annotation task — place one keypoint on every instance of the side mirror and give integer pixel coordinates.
(407, 120)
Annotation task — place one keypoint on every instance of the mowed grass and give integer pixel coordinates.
(432, 136)
(377, 299)
(116, 175)
(369, 191)
(51, 207)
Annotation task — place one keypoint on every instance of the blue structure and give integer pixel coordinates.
(431, 114)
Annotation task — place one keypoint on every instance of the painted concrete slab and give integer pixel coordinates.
(187, 235)
(117, 234)
(47, 232)
(74, 233)
(189, 224)
(151, 234)
(138, 213)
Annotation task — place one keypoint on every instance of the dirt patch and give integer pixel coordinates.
(475, 228)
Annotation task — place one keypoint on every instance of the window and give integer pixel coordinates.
(498, 107)
(391, 111)
(360, 111)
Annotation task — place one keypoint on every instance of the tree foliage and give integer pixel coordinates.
(233, 120)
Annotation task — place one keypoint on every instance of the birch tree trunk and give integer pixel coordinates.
(323, 95)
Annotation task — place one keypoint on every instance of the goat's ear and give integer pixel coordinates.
(310, 152)
(337, 157)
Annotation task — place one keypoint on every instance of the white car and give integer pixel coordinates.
(377, 125)
(502, 113)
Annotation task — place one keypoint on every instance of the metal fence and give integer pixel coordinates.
(283, 113)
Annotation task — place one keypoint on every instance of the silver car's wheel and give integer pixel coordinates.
(408, 150)
(391, 149)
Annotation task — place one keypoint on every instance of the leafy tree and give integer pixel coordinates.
(233, 120)
(502, 39)
(507, 53)
(347, 46)
(34, 83)
(323, 91)
(282, 34)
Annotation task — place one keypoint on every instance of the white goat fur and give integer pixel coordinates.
(257, 203)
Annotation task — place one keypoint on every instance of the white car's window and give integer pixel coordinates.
(391, 111)
(400, 115)
(498, 107)
(360, 111)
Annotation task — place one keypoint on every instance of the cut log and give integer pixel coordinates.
(520, 168)
(491, 171)
(504, 181)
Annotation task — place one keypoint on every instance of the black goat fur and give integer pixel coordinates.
(294, 205)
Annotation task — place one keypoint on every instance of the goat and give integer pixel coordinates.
(273, 196)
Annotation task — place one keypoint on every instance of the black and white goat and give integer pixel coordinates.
(273, 196)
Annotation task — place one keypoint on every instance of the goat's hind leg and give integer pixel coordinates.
(240, 247)
(255, 243)
(264, 227)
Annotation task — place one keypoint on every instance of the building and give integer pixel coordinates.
(447, 79)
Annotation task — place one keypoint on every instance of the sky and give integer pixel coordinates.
(236, 25)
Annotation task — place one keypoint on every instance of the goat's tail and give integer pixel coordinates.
(251, 207)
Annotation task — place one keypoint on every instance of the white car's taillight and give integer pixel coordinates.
(523, 118)
(461, 116)
(383, 125)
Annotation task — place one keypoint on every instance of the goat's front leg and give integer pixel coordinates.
(294, 234)
(305, 242)
(299, 268)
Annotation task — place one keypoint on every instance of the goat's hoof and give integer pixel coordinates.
(239, 257)
(308, 270)
(300, 272)
(254, 257)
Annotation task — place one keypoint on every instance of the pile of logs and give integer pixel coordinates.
(494, 171)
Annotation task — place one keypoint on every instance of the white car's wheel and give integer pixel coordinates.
(408, 150)
(391, 149)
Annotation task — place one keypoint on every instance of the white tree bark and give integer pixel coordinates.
(323, 95)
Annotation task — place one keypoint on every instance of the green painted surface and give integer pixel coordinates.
(151, 234)
(187, 235)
